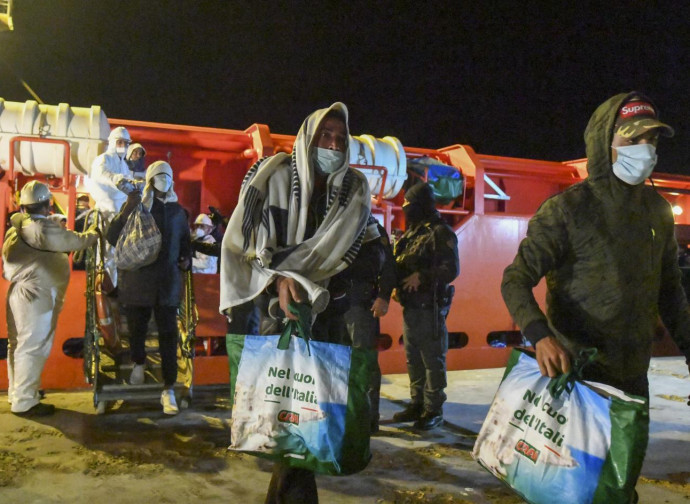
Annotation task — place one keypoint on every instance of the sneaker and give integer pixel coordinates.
(169, 403)
(411, 413)
(37, 410)
(137, 376)
(429, 420)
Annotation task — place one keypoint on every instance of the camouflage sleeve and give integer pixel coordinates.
(673, 306)
(445, 266)
(539, 252)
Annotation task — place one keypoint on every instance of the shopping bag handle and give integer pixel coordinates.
(566, 381)
(301, 327)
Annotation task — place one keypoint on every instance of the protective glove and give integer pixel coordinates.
(216, 217)
(126, 185)
(133, 201)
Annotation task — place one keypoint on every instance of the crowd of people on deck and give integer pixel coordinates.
(303, 232)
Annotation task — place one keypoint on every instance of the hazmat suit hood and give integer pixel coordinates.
(119, 133)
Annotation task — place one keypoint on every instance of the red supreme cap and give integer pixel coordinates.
(637, 117)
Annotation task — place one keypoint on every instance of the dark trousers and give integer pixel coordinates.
(292, 486)
(245, 319)
(426, 343)
(166, 321)
(363, 330)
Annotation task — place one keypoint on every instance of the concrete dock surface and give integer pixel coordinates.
(134, 453)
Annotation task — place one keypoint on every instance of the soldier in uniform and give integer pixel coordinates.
(427, 262)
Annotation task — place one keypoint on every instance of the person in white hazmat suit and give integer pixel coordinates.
(201, 232)
(36, 265)
(109, 183)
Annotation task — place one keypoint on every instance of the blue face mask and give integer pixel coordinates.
(635, 163)
(327, 160)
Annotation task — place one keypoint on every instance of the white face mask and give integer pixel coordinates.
(162, 182)
(327, 160)
(635, 163)
(199, 233)
(121, 151)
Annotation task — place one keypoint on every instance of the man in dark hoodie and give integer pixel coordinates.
(426, 258)
(607, 249)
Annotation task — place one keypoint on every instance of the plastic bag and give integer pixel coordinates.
(139, 242)
(301, 402)
(563, 440)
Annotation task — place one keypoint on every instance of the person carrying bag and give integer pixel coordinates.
(299, 401)
(139, 242)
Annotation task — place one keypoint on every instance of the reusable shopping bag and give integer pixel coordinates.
(300, 401)
(139, 242)
(563, 440)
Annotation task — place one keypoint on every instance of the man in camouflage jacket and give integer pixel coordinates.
(426, 258)
(607, 249)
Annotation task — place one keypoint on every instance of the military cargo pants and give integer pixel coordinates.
(425, 351)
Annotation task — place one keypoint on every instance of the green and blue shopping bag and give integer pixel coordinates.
(563, 440)
(299, 401)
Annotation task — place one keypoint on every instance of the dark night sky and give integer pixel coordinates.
(504, 78)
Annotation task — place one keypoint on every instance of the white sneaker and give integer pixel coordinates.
(137, 376)
(169, 403)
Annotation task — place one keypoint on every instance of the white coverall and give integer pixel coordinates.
(109, 183)
(37, 268)
(202, 263)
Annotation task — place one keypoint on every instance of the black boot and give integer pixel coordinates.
(38, 410)
(429, 420)
(411, 413)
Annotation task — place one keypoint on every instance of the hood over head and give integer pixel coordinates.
(422, 195)
(606, 120)
(305, 141)
(119, 133)
(133, 147)
(157, 168)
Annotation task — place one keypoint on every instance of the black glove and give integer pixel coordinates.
(133, 201)
(216, 217)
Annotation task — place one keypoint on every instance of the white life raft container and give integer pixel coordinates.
(388, 152)
(86, 130)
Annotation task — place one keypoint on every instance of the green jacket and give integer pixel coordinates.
(609, 255)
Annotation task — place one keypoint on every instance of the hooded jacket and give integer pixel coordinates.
(159, 283)
(609, 255)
